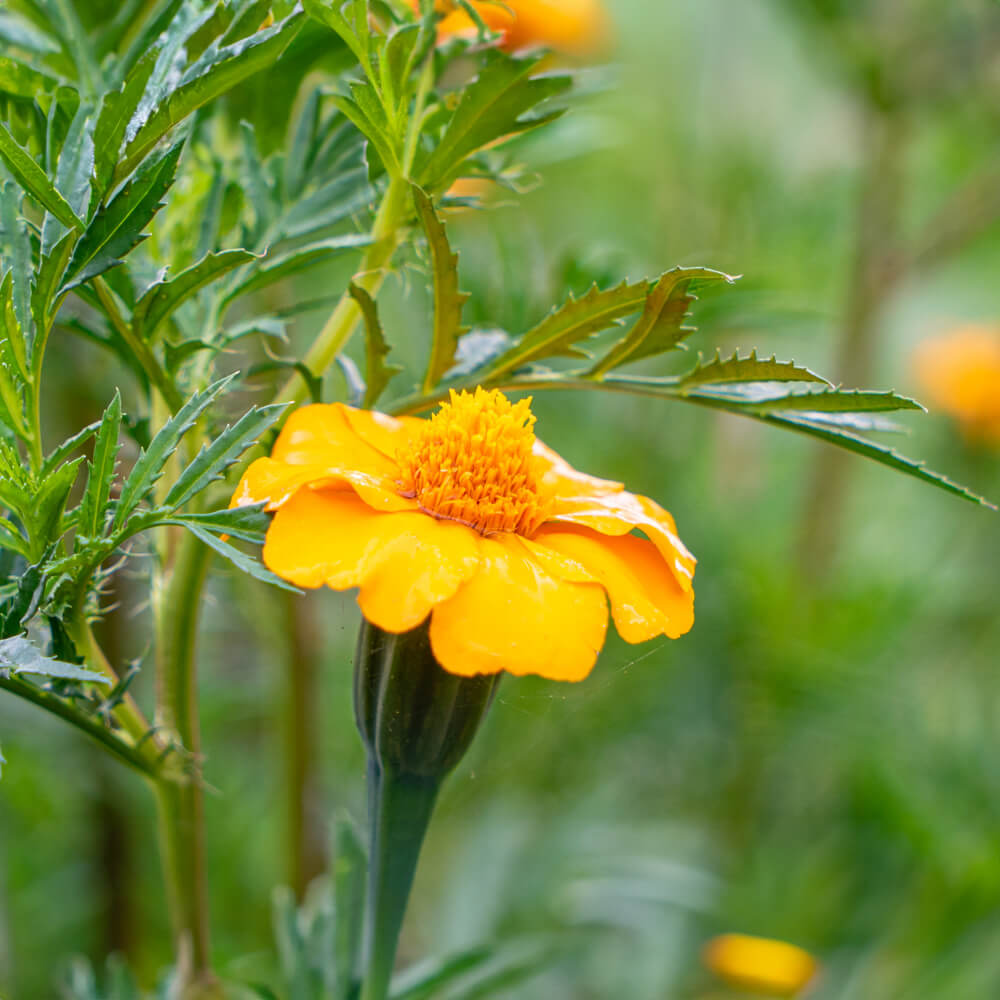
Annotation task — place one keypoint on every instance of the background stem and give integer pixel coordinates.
(181, 807)
(370, 275)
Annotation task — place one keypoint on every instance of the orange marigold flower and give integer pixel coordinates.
(960, 372)
(577, 27)
(761, 965)
(469, 519)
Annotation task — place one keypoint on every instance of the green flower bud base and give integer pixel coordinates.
(416, 721)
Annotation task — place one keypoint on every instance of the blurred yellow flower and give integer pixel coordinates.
(575, 27)
(468, 518)
(761, 965)
(960, 373)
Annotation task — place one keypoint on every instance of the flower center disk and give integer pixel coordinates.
(472, 462)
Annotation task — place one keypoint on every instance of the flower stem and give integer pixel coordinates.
(346, 315)
(181, 806)
(401, 811)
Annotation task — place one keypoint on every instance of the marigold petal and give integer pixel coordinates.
(322, 434)
(559, 478)
(389, 435)
(646, 599)
(616, 514)
(516, 616)
(404, 563)
(275, 482)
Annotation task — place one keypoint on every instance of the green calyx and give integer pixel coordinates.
(416, 721)
(415, 718)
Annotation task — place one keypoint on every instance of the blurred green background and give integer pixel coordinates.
(819, 759)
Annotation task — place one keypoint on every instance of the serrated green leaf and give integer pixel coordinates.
(771, 412)
(479, 972)
(879, 453)
(93, 507)
(281, 265)
(15, 247)
(493, 106)
(397, 62)
(35, 181)
(749, 369)
(214, 73)
(118, 228)
(11, 538)
(215, 458)
(117, 109)
(48, 278)
(46, 513)
(63, 451)
(661, 326)
(835, 401)
(23, 80)
(333, 202)
(13, 346)
(211, 214)
(290, 943)
(163, 297)
(365, 111)
(76, 161)
(353, 31)
(19, 655)
(149, 466)
(239, 559)
(21, 34)
(302, 146)
(377, 372)
(448, 300)
(249, 524)
(572, 322)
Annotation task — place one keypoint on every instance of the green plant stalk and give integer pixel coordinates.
(346, 315)
(176, 606)
(136, 757)
(127, 713)
(401, 808)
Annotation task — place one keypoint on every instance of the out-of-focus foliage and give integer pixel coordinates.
(814, 762)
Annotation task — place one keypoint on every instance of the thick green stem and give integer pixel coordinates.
(401, 811)
(346, 316)
(181, 807)
(127, 713)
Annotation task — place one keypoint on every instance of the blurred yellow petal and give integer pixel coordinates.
(960, 375)
(646, 599)
(516, 616)
(576, 27)
(771, 968)
(404, 563)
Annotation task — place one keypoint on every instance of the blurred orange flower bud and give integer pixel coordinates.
(960, 375)
(575, 27)
(760, 965)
